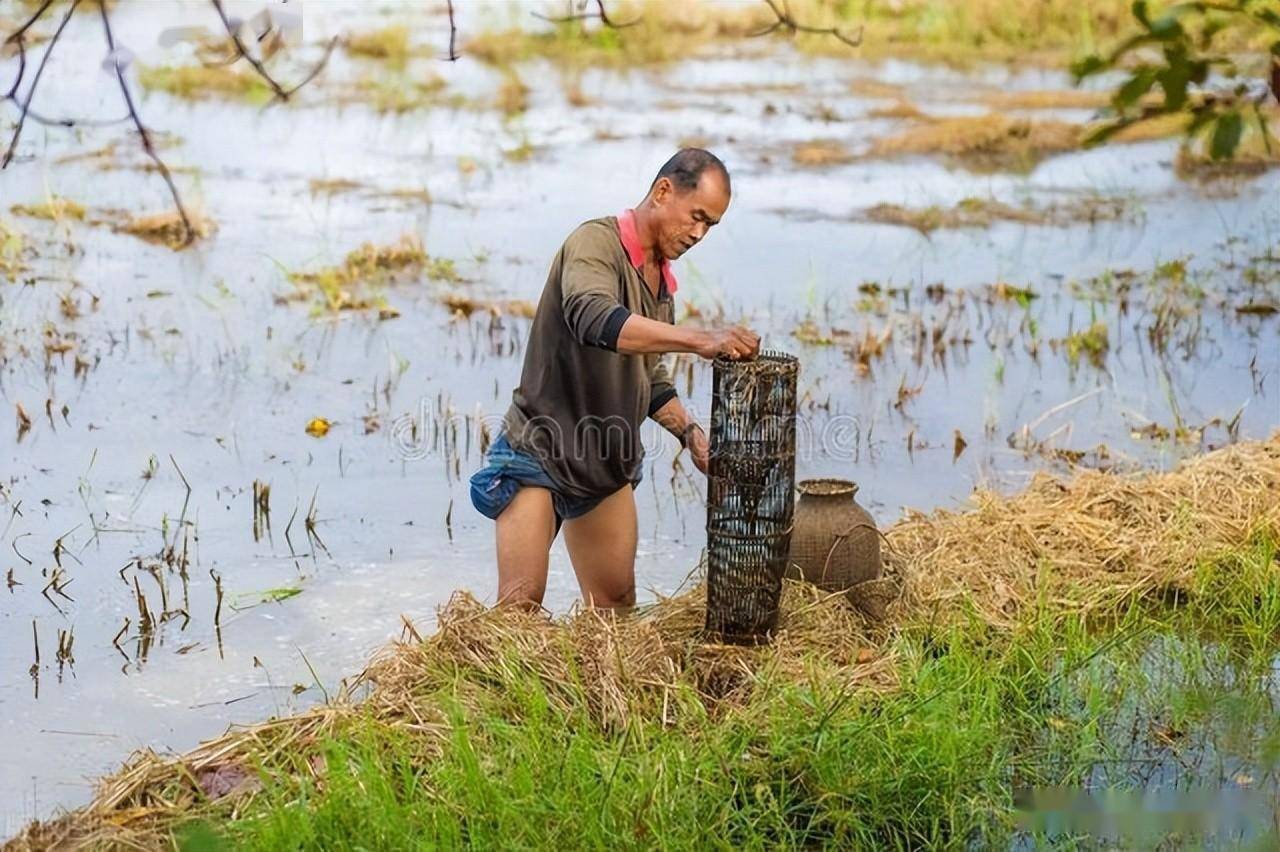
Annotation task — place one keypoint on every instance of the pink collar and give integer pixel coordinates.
(635, 252)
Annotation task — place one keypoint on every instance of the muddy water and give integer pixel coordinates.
(197, 371)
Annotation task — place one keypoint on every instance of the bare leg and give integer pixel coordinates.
(525, 531)
(602, 545)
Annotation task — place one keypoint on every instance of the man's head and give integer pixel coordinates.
(689, 195)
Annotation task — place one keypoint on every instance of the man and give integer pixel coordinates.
(570, 450)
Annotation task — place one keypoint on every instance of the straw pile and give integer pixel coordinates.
(991, 142)
(1084, 545)
(1092, 543)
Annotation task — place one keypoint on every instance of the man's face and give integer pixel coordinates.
(683, 218)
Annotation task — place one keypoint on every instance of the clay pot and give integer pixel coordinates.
(834, 542)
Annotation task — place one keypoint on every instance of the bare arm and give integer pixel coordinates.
(641, 335)
(675, 419)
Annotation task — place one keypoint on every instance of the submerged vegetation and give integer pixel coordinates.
(1092, 344)
(354, 284)
(984, 143)
(391, 43)
(983, 212)
(199, 81)
(12, 249)
(167, 229)
(1014, 660)
(55, 208)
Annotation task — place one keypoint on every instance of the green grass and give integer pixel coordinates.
(930, 765)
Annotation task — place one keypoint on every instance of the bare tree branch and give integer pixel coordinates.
(599, 13)
(189, 233)
(788, 24)
(281, 93)
(17, 34)
(35, 81)
(453, 35)
(17, 38)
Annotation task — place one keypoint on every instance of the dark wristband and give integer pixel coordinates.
(688, 429)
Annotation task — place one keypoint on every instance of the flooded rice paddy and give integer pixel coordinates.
(182, 551)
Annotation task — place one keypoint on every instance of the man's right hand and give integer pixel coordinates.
(736, 342)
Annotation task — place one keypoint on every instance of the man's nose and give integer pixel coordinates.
(699, 231)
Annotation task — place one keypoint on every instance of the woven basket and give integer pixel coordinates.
(834, 543)
(750, 494)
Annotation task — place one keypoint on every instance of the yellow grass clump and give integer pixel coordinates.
(391, 43)
(1048, 99)
(512, 97)
(12, 249)
(464, 306)
(898, 109)
(1157, 127)
(983, 212)
(201, 81)
(55, 208)
(351, 285)
(166, 229)
(1087, 545)
(969, 213)
(869, 87)
(820, 152)
(990, 142)
(652, 32)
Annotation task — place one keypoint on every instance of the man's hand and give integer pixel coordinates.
(699, 448)
(734, 342)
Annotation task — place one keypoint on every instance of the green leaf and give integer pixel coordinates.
(1089, 66)
(1174, 80)
(1135, 87)
(1226, 135)
(1140, 12)
(1167, 28)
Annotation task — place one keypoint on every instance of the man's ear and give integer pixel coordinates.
(662, 190)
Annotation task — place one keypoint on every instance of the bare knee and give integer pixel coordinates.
(623, 598)
(522, 593)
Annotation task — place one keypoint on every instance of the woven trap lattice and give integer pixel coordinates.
(750, 494)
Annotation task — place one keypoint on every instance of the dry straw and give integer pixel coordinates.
(1084, 545)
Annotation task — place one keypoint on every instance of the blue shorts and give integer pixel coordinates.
(495, 485)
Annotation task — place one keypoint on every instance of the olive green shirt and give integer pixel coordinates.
(580, 403)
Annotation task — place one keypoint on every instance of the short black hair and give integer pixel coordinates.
(686, 167)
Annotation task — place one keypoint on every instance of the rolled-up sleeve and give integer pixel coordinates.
(589, 289)
(662, 387)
